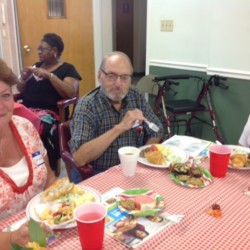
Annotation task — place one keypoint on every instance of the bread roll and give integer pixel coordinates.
(238, 160)
(155, 157)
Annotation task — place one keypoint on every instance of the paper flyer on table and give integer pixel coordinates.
(133, 230)
(193, 146)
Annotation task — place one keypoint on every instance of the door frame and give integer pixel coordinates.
(105, 36)
(103, 32)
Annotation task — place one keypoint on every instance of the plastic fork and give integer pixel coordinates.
(152, 126)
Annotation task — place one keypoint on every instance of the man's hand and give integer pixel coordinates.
(130, 118)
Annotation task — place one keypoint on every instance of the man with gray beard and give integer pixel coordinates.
(104, 119)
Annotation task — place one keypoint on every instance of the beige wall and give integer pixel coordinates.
(210, 36)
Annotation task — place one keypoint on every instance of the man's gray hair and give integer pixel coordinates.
(114, 53)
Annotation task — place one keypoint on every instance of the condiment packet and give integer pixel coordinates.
(176, 218)
(136, 124)
(37, 78)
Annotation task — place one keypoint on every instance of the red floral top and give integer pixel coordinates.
(14, 198)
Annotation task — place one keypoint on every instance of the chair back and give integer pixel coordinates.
(21, 110)
(66, 104)
(85, 171)
(147, 85)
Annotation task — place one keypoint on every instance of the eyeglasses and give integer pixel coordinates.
(113, 77)
(43, 49)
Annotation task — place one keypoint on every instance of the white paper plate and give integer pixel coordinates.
(30, 209)
(177, 155)
(239, 150)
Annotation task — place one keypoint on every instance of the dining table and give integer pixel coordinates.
(196, 230)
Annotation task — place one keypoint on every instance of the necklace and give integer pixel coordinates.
(6, 177)
(51, 66)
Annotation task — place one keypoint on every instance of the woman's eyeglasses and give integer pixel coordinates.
(113, 77)
(43, 49)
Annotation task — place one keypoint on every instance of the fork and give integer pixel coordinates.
(152, 126)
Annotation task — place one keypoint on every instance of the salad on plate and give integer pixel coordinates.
(161, 156)
(55, 206)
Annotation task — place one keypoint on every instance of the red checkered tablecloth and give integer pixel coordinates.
(197, 230)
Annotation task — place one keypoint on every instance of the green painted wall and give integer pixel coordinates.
(231, 106)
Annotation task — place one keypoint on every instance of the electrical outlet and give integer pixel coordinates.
(167, 25)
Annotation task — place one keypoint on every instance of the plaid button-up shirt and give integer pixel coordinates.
(95, 115)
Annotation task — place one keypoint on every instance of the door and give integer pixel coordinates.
(124, 27)
(76, 30)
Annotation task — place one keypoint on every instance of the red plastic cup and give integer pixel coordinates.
(219, 160)
(90, 218)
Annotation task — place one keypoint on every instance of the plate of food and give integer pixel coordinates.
(240, 158)
(140, 202)
(161, 156)
(190, 176)
(55, 206)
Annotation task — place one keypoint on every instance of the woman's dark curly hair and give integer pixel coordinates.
(54, 41)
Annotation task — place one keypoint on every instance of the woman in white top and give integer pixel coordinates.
(24, 167)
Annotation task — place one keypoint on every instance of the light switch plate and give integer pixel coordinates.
(167, 25)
